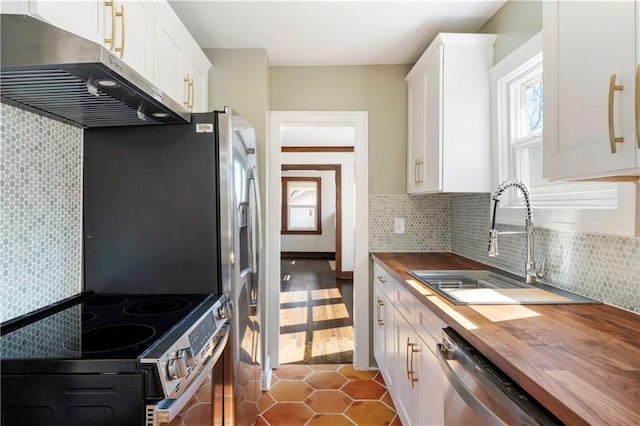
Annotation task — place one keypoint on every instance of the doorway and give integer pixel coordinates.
(316, 293)
(335, 245)
(354, 123)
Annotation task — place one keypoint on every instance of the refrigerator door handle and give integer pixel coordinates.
(255, 235)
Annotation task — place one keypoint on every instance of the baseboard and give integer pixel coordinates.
(329, 255)
(265, 380)
(345, 275)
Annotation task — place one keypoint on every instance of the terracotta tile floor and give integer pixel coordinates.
(326, 394)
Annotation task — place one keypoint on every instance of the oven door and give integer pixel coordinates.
(202, 403)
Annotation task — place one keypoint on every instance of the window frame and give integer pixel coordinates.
(285, 206)
(593, 219)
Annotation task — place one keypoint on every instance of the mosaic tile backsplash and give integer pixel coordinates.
(426, 222)
(601, 267)
(40, 211)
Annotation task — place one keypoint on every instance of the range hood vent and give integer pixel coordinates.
(58, 74)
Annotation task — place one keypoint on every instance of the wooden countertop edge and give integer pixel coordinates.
(453, 314)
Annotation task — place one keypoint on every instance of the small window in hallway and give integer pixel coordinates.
(301, 205)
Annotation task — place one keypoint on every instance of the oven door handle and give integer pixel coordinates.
(167, 409)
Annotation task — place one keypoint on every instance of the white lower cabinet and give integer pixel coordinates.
(408, 373)
(382, 332)
(430, 381)
(404, 342)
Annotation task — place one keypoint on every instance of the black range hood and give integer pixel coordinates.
(55, 73)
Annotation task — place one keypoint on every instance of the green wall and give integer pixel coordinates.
(515, 23)
(240, 78)
(381, 90)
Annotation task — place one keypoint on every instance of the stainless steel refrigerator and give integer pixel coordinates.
(175, 209)
(241, 232)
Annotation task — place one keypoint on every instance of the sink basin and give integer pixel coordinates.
(467, 279)
(490, 286)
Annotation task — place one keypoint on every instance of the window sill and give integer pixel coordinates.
(622, 221)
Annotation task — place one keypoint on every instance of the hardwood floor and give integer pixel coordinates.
(316, 314)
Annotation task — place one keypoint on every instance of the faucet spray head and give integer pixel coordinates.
(493, 233)
(493, 243)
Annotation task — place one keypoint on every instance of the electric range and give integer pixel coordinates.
(107, 356)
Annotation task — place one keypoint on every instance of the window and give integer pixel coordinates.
(301, 206)
(517, 133)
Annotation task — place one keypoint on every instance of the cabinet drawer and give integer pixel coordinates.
(404, 302)
(384, 281)
(428, 325)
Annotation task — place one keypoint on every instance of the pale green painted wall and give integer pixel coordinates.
(381, 90)
(239, 78)
(515, 23)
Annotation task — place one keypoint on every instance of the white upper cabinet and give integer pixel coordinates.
(197, 68)
(180, 67)
(416, 127)
(591, 90)
(147, 35)
(448, 147)
(84, 18)
(128, 32)
(168, 61)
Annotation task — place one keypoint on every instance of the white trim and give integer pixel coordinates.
(358, 119)
(620, 221)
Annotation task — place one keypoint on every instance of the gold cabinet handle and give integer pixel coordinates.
(420, 163)
(638, 106)
(192, 93)
(613, 140)
(380, 321)
(415, 173)
(409, 372)
(111, 40)
(413, 379)
(187, 81)
(120, 50)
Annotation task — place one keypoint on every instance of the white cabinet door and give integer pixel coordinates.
(198, 86)
(83, 18)
(384, 347)
(585, 45)
(433, 122)
(168, 59)
(431, 386)
(180, 67)
(448, 116)
(380, 323)
(134, 32)
(408, 373)
(416, 100)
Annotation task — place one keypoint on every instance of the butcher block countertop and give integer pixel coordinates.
(582, 362)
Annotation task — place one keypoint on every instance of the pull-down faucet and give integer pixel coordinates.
(531, 273)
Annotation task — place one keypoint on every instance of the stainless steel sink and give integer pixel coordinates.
(467, 279)
(464, 287)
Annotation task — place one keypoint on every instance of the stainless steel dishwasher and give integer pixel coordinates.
(476, 392)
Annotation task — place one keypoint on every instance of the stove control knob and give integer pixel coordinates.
(223, 311)
(187, 356)
(176, 366)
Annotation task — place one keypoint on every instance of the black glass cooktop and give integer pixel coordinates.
(101, 327)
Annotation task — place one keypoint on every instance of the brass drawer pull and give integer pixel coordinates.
(613, 140)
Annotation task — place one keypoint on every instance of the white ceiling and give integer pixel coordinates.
(331, 32)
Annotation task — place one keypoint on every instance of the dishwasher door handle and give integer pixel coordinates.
(463, 391)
